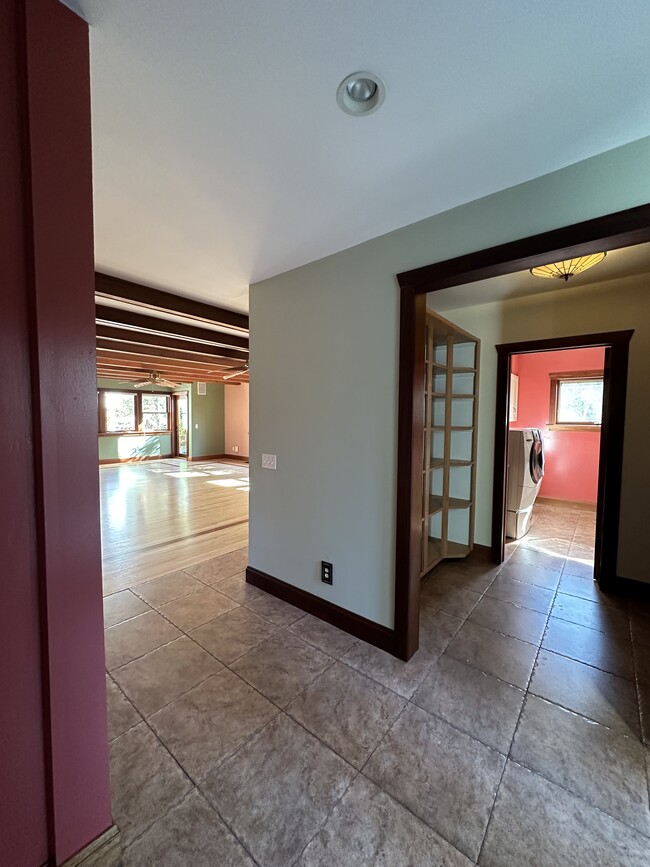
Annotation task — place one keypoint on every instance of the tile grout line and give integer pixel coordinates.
(514, 734)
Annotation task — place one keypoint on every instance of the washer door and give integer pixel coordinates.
(537, 460)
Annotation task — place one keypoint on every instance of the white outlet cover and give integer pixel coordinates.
(269, 462)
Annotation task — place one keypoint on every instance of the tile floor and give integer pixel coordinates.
(244, 732)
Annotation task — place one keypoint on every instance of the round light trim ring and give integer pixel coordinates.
(361, 93)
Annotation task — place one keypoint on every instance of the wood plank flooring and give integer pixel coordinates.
(160, 516)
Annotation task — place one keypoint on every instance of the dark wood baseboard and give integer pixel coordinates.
(134, 460)
(629, 587)
(373, 633)
(239, 458)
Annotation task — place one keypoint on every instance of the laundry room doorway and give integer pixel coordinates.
(560, 415)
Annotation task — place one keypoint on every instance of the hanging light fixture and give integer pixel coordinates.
(569, 267)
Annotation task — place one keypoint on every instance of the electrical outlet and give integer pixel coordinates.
(235, 448)
(269, 462)
(326, 572)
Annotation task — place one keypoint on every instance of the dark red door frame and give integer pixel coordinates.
(610, 469)
(622, 229)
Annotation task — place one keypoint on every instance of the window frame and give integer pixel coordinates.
(137, 395)
(571, 376)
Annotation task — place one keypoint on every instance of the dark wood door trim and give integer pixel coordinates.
(622, 229)
(610, 468)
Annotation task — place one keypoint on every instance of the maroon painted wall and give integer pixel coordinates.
(58, 754)
(23, 826)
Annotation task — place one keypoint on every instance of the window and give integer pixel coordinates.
(131, 412)
(155, 412)
(576, 400)
(120, 412)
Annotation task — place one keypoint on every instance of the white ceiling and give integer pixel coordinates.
(619, 265)
(221, 156)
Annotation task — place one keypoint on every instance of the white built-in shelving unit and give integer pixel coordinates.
(449, 449)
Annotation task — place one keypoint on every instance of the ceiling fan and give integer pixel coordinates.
(236, 371)
(154, 378)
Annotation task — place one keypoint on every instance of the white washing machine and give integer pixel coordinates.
(525, 472)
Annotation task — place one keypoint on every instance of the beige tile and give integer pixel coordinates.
(161, 676)
(644, 710)
(605, 618)
(277, 791)
(368, 828)
(436, 631)
(233, 634)
(534, 557)
(612, 653)
(323, 635)
(536, 822)
(587, 588)
(586, 690)
(539, 576)
(122, 716)
(167, 588)
(275, 610)
(449, 598)
(590, 760)
(135, 637)
(477, 703)
(476, 575)
(584, 553)
(509, 619)
(642, 663)
(145, 781)
(640, 628)
(236, 588)
(206, 724)
(122, 606)
(282, 666)
(347, 711)
(219, 568)
(520, 593)
(553, 542)
(192, 611)
(400, 677)
(191, 834)
(448, 779)
(507, 658)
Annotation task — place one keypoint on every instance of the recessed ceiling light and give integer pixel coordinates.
(361, 93)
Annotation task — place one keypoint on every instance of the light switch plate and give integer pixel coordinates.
(269, 461)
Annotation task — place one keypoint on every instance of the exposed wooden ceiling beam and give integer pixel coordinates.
(139, 362)
(130, 350)
(123, 337)
(155, 299)
(131, 374)
(113, 316)
(192, 372)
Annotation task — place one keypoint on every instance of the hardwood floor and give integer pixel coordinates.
(161, 516)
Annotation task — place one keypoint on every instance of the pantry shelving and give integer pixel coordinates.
(449, 446)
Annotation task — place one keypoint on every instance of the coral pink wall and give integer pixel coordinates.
(571, 471)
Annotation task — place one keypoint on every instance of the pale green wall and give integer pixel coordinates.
(207, 411)
(613, 306)
(123, 446)
(333, 421)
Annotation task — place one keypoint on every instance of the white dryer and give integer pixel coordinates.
(525, 471)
